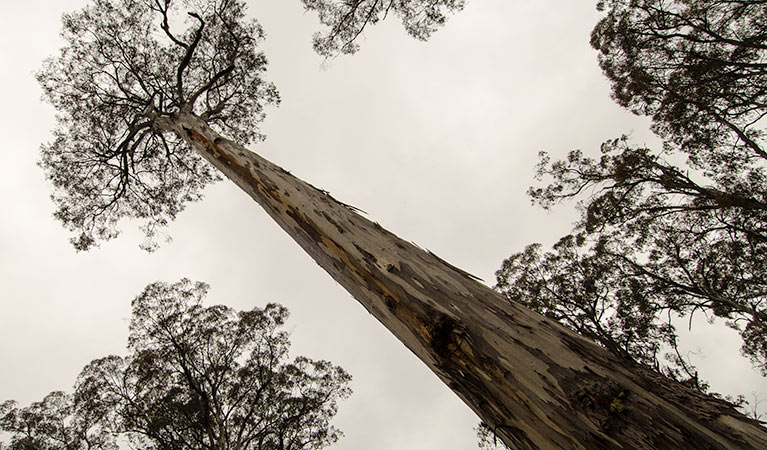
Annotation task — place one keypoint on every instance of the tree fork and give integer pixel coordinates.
(536, 384)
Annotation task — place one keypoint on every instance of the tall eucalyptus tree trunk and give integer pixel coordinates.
(537, 384)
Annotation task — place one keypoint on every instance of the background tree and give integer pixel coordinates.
(659, 238)
(346, 20)
(195, 377)
(535, 383)
(699, 69)
(55, 423)
(694, 245)
(122, 71)
(592, 295)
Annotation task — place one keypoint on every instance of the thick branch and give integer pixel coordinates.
(164, 25)
(187, 58)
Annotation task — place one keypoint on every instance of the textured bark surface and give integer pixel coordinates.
(537, 384)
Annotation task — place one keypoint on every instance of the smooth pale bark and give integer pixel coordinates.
(537, 384)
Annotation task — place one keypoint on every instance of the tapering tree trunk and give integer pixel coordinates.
(537, 384)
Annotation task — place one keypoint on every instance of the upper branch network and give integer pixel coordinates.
(346, 20)
(126, 64)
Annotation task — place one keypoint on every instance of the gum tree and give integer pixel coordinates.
(210, 377)
(124, 80)
(346, 20)
(167, 101)
(195, 378)
(54, 423)
(699, 69)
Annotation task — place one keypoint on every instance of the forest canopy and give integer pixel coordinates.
(195, 377)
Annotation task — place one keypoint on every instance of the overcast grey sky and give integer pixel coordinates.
(436, 141)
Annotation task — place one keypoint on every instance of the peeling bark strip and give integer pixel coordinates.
(537, 384)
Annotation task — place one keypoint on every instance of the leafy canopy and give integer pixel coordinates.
(346, 19)
(654, 241)
(54, 424)
(129, 67)
(125, 67)
(698, 68)
(658, 237)
(210, 377)
(590, 294)
(196, 377)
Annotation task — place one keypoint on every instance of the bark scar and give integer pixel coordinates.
(205, 142)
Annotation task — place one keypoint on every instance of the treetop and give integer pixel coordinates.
(127, 65)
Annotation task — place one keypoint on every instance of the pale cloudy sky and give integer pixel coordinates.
(436, 141)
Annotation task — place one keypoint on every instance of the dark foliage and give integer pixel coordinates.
(698, 68)
(54, 424)
(692, 243)
(196, 377)
(657, 237)
(591, 294)
(123, 68)
(210, 377)
(347, 19)
(487, 440)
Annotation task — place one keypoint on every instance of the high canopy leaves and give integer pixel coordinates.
(123, 70)
(131, 66)
(347, 19)
(592, 295)
(658, 238)
(698, 68)
(685, 242)
(54, 424)
(196, 377)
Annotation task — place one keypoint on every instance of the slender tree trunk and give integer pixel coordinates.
(537, 384)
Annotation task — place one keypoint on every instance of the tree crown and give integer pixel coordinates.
(123, 69)
(55, 423)
(346, 20)
(698, 68)
(658, 238)
(196, 377)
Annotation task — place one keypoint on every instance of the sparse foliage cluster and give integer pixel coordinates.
(196, 377)
(124, 69)
(55, 423)
(346, 19)
(591, 294)
(693, 243)
(486, 438)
